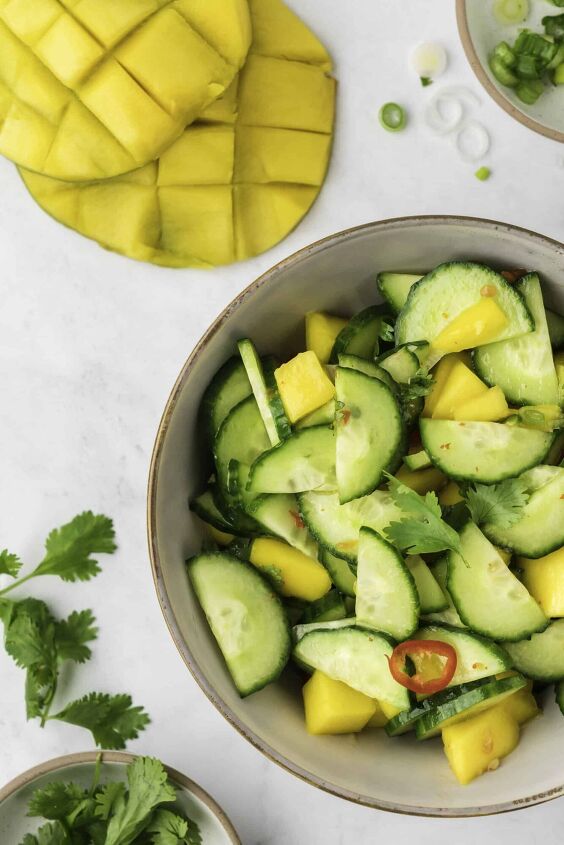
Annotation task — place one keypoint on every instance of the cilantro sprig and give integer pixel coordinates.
(139, 812)
(42, 645)
(501, 503)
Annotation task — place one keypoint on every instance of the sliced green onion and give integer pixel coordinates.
(425, 81)
(529, 91)
(509, 12)
(527, 67)
(483, 173)
(533, 44)
(502, 73)
(392, 117)
(554, 26)
(505, 54)
(559, 75)
(512, 420)
(533, 417)
(558, 58)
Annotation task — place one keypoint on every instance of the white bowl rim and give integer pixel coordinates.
(57, 764)
(158, 578)
(485, 81)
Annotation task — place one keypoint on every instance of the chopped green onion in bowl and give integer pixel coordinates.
(509, 12)
(393, 117)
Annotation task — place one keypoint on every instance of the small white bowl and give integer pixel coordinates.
(337, 274)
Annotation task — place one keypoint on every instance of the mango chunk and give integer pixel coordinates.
(440, 374)
(544, 579)
(332, 707)
(321, 331)
(477, 745)
(422, 480)
(294, 573)
(481, 323)
(389, 710)
(303, 385)
(488, 407)
(379, 719)
(461, 386)
(521, 705)
(450, 495)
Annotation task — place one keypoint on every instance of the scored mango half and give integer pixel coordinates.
(238, 180)
(94, 88)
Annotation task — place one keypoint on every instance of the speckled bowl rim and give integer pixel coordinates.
(493, 91)
(158, 578)
(59, 763)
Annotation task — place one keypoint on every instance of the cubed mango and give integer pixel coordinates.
(460, 386)
(450, 495)
(321, 331)
(332, 707)
(488, 407)
(481, 323)
(476, 745)
(422, 480)
(440, 373)
(303, 385)
(294, 573)
(544, 579)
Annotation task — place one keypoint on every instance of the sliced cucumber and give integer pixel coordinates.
(555, 324)
(304, 461)
(449, 616)
(386, 595)
(322, 416)
(336, 526)
(228, 387)
(395, 288)
(431, 596)
(275, 404)
(540, 530)
(523, 367)
(370, 433)
(328, 608)
(369, 368)
(477, 657)
(559, 690)
(471, 700)
(404, 362)
(299, 631)
(279, 514)
(355, 656)
(237, 478)
(266, 395)
(246, 618)
(361, 334)
(242, 437)
(419, 460)
(340, 572)
(487, 596)
(486, 452)
(205, 507)
(542, 657)
(451, 288)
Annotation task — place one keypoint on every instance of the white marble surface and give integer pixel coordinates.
(90, 346)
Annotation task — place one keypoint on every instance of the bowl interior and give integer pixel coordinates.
(484, 32)
(14, 823)
(337, 275)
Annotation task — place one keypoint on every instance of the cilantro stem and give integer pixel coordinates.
(17, 583)
(48, 704)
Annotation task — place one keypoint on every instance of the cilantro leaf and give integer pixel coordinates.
(52, 833)
(70, 547)
(10, 564)
(168, 828)
(423, 530)
(72, 634)
(112, 720)
(425, 81)
(500, 503)
(421, 384)
(56, 800)
(148, 787)
(107, 797)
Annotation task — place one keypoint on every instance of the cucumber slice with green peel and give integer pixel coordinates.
(523, 367)
(279, 514)
(205, 507)
(395, 288)
(487, 596)
(542, 656)
(386, 595)
(477, 656)
(404, 362)
(266, 394)
(448, 290)
(336, 526)
(486, 452)
(328, 608)
(299, 631)
(304, 461)
(419, 460)
(540, 530)
(355, 656)
(242, 436)
(230, 507)
(370, 437)
(340, 572)
(369, 368)
(431, 596)
(237, 478)
(559, 691)
(449, 616)
(322, 416)
(228, 387)
(246, 618)
(361, 334)
(470, 701)
(555, 323)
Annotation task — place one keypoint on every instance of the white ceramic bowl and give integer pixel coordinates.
(336, 274)
(480, 32)
(215, 827)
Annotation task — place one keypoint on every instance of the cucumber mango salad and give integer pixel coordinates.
(386, 510)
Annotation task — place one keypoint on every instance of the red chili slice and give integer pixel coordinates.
(416, 649)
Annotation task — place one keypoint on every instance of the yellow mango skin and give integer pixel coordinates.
(489, 407)
(422, 480)
(126, 78)
(302, 576)
(440, 374)
(332, 707)
(461, 386)
(478, 743)
(321, 331)
(450, 495)
(303, 385)
(224, 191)
(379, 719)
(544, 579)
(481, 323)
